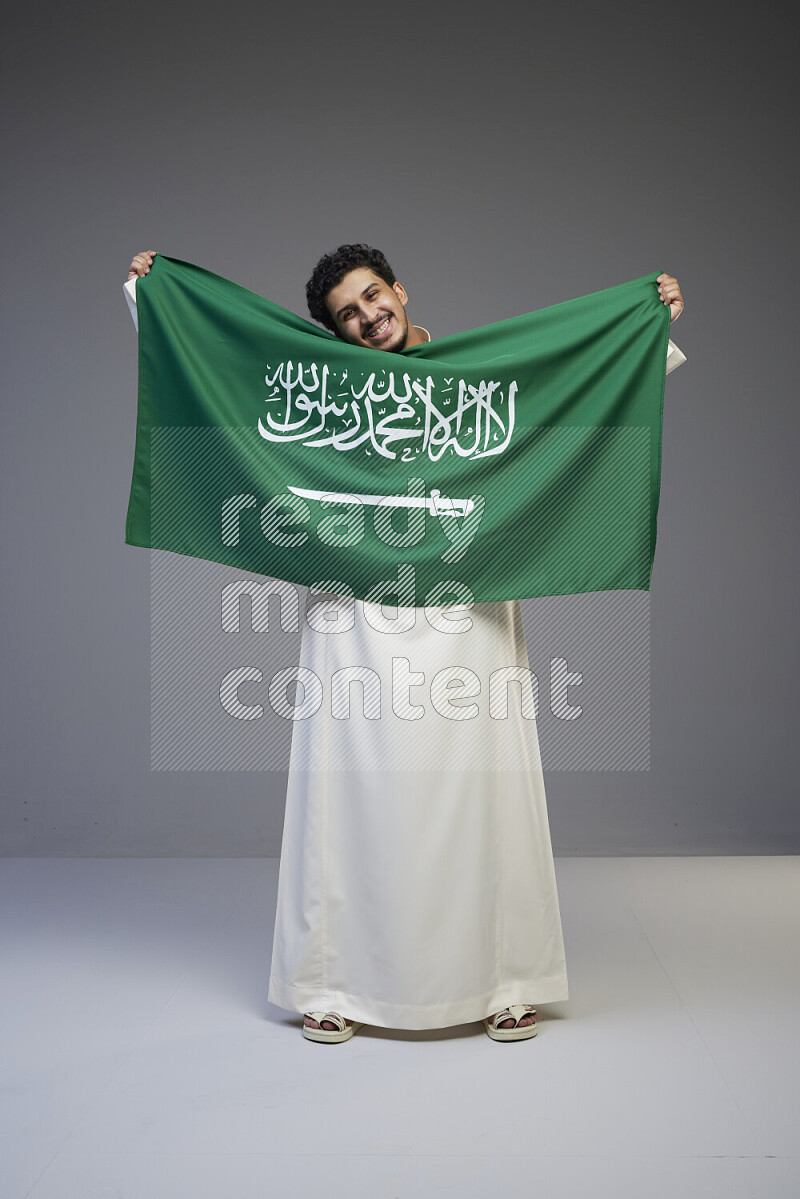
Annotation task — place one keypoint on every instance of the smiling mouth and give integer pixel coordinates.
(379, 331)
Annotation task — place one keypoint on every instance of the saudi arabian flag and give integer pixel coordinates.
(522, 458)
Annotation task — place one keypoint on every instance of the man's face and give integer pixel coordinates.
(368, 311)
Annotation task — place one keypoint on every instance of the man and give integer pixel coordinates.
(416, 887)
(354, 293)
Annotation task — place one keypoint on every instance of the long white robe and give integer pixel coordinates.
(416, 886)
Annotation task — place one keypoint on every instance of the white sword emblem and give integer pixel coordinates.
(437, 504)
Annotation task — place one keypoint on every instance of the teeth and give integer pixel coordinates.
(381, 327)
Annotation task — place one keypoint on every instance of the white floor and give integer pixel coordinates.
(141, 1060)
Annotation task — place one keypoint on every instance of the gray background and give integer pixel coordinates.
(505, 158)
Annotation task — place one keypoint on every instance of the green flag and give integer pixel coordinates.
(522, 458)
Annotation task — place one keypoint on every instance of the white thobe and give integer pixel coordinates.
(416, 886)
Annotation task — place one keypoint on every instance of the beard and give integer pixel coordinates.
(403, 338)
(401, 345)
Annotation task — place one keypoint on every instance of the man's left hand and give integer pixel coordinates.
(670, 292)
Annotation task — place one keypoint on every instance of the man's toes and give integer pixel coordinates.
(328, 1025)
(509, 1023)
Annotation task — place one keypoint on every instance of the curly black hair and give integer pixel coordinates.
(332, 268)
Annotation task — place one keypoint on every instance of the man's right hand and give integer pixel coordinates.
(141, 263)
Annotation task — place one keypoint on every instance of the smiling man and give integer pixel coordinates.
(354, 293)
(417, 886)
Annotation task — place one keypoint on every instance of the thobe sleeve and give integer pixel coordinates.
(130, 295)
(674, 356)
